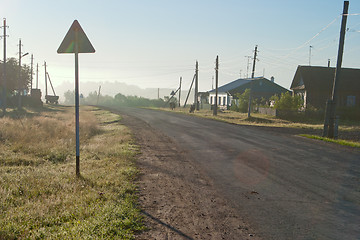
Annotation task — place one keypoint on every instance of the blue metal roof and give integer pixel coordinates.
(232, 85)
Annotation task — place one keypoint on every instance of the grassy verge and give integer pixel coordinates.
(261, 120)
(337, 141)
(40, 197)
(242, 118)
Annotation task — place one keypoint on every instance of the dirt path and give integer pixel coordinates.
(178, 202)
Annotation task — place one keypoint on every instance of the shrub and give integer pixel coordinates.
(234, 107)
(243, 101)
(287, 102)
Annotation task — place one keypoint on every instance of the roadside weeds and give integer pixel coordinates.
(40, 196)
(349, 133)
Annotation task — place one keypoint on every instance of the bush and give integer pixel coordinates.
(287, 102)
(243, 101)
(234, 107)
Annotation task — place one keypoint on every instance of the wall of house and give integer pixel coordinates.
(223, 99)
(303, 94)
(318, 99)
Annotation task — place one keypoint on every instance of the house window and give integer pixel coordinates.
(211, 100)
(350, 101)
(219, 101)
(224, 101)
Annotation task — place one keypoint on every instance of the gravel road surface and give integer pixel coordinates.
(276, 185)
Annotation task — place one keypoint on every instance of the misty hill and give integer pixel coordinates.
(113, 88)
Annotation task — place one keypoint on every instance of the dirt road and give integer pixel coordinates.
(178, 201)
(205, 179)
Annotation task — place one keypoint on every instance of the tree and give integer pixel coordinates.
(69, 97)
(287, 102)
(243, 101)
(120, 98)
(12, 75)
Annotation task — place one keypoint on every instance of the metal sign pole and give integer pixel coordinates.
(77, 104)
(76, 41)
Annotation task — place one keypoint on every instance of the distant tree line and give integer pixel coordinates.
(118, 100)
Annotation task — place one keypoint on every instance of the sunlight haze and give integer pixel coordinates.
(151, 44)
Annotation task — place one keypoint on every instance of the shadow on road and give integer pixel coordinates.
(166, 225)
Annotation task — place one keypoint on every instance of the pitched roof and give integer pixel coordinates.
(261, 86)
(321, 78)
(232, 85)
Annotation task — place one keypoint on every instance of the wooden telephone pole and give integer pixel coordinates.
(20, 87)
(216, 85)
(254, 63)
(46, 92)
(251, 83)
(196, 100)
(32, 72)
(37, 76)
(330, 128)
(4, 71)
(180, 90)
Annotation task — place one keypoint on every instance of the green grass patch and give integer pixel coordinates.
(337, 141)
(40, 196)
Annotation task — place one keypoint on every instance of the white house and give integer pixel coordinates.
(224, 97)
(261, 88)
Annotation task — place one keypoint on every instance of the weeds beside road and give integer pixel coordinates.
(40, 196)
(348, 130)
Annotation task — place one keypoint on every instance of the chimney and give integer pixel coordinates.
(272, 79)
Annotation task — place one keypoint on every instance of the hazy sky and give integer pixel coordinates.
(151, 43)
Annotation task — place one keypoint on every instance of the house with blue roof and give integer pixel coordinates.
(260, 86)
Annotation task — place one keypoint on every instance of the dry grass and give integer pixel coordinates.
(260, 120)
(40, 197)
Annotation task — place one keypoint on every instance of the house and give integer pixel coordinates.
(314, 84)
(261, 88)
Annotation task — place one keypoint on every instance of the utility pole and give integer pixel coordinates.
(46, 93)
(310, 55)
(4, 71)
(329, 62)
(248, 66)
(19, 81)
(32, 72)
(216, 85)
(180, 91)
(255, 55)
(251, 83)
(196, 100)
(330, 114)
(37, 76)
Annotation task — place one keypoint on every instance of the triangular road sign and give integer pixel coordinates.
(68, 44)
